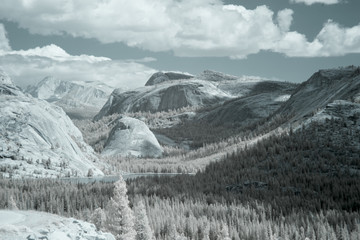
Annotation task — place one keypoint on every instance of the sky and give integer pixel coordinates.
(121, 43)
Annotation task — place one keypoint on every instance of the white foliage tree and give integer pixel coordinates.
(98, 218)
(174, 235)
(224, 232)
(12, 204)
(206, 230)
(120, 217)
(142, 226)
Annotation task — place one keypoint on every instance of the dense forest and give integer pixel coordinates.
(316, 168)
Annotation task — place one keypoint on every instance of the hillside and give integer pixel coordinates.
(322, 88)
(258, 100)
(263, 99)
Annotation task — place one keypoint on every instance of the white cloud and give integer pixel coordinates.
(284, 18)
(30, 70)
(310, 2)
(333, 40)
(55, 53)
(30, 66)
(4, 42)
(188, 28)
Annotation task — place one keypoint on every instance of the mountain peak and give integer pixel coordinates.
(211, 75)
(160, 77)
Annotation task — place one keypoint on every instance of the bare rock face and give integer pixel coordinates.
(160, 77)
(132, 137)
(39, 140)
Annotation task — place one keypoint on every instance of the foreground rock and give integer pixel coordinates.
(40, 225)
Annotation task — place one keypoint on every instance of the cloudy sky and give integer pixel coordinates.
(122, 42)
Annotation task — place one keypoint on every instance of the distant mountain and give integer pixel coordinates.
(210, 75)
(163, 97)
(39, 139)
(131, 137)
(323, 87)
(79, 99)
(160, 77)
(170, 91)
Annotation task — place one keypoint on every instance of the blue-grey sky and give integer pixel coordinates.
(123, 42)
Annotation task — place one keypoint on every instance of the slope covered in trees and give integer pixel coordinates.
(304, 173)
(318, 164)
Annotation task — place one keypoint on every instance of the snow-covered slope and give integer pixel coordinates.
(77, 98)
(39, 139)
(165, 96)
(32, 225)
(132, 137)
(324, 87)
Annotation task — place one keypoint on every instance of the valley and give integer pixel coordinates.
(249, 158)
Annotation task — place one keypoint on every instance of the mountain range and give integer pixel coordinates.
(181, 109)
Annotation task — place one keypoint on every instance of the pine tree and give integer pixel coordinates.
(142, 226)
(119, 216)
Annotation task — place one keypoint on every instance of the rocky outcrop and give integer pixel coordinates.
(132, 137)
